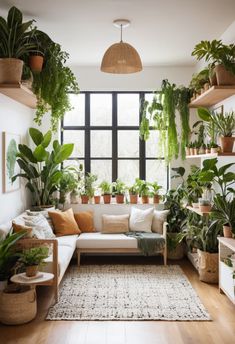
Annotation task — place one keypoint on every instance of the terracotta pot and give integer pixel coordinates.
(119, 199)
(107, 198)
(85, 199)
(145, 199)
(97, 199)
(204, 208)
(156, 199)
(133, 199)
(187, 151)
(36, 63)
(227, 231)
(213, 80)
(223, 76)
(31, 270)
(10, 71)
(208, 151)
(195, 151)
(191, 151)
(227, 144)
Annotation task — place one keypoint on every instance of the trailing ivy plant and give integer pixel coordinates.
(53, 85)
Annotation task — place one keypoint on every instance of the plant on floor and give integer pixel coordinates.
(32, 258)
(40, 167)
(8, 255)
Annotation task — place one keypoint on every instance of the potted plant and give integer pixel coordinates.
(199, 80)
(214, 147)
(68, 183)
(133, 192)
(204, 205)
(87, 189)
(187, 149)
(97, 198)
(40, 167)
(106, 189)
(32, 258)
(8, 256)
(223, 213)
(156, 188)
(208, 148)
(222, 58)
(144, 190)
(41, 42)
(119, 189)
(13, 49)
(191, 148)
(202, 149)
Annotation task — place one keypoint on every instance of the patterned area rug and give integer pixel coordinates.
(127, 292)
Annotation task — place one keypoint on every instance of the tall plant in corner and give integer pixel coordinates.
(40, 167)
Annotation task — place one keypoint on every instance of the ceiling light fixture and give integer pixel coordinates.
(121, 58)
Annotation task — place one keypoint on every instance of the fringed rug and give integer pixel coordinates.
(127, 292)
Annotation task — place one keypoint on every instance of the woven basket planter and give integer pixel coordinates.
(10, 71)
(18, 308)
(208, 266)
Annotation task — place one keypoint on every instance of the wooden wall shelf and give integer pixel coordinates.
(210, 155)
(20, 93)
(214, 95)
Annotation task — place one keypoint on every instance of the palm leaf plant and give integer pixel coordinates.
(40, 167)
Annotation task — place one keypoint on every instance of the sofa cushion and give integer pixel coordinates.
(85, 221)
(141, 220)
(20, 228)
(64, 222)
(40, 224)
(114, 224)
(67, 240)
(159, 217)
(99, 241)
(65, 254)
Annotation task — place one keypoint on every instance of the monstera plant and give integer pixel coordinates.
(40, 167)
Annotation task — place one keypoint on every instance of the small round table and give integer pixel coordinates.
(32, 281)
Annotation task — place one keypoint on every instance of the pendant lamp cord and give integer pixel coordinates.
(121, 32)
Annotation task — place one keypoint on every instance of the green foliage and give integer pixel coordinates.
(11, 158)
(216, 52)
(53, 84)
(87, 187)
(106, 187)
(119, 187)
(225, 124)
(8, 256)
(69, 182)
(144, 187)
(199, 79)
(34, 256)
(155, 188)
(15, 36)
(223, 212)
(40, 167)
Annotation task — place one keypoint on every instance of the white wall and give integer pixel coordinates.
(14, 118)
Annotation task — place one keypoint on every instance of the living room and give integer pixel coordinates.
(117, 220)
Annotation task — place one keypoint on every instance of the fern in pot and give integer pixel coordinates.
(119, 189)
(106, 189)
(32, 258)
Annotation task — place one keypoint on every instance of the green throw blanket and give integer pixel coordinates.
(149, 243)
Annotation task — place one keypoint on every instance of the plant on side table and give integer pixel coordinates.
(106, 189)
(32, 258)
(119, 189)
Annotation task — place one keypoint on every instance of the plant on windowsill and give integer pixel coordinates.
(32, 258)
(119, 189)
(69, 182)
(133, 193)
(144, 190)
(41, 167)
(106, 189)
(87, 189)
(155, 192)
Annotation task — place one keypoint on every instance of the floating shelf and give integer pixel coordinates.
(214, 95)
(20, 93)
(197, 211)
(209, 155)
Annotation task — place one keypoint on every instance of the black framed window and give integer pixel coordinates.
(104, 126)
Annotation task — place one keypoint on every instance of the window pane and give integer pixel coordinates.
(152, 146)
(74, 163)
(77, 115)
(156, 170)
(76, 137)
(128, 170)
(128, 143)
(103, 169)
(101, 109)
(128, 109)
(101, 143)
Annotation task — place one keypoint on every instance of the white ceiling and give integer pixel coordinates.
(163, 31)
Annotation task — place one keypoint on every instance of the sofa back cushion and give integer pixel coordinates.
(159, 217)
(64, 222)
(39, 224)
(85, 221)
(113, 224)
(141, 220)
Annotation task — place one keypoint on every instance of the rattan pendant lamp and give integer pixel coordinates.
(121, 58)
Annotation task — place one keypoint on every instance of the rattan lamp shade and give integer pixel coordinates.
(121, 58)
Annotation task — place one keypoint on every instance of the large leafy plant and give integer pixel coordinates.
(34, 255)
(40, 167)
(223, 211)
(223, 123)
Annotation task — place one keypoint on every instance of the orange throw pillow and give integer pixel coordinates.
(85, 221)
(19, 228)
(64, 222)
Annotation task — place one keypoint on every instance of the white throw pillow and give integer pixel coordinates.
(40, 224)
(44, 213)
(159, 217)
(141, 220)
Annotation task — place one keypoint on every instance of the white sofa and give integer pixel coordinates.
(65, 247)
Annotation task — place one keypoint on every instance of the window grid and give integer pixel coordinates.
(114, 128)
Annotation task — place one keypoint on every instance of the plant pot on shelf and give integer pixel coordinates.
(97, 199)
(202, 151)
(187, 151)
(206, 86)
(227, 144)
(36, 63)
(208, 151)
(107, 198)
(208, 266)
(213, 80)
(214, 150)
(227, 231)
(191, 151)
(156, 199)
(145, 199)
(10, 71)
(195, 151)
(223, 76)
(31, 270)
(119, 199)
(204, 208)
(85, 199)
(133, 199)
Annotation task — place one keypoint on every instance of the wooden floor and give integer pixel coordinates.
(219, 331)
